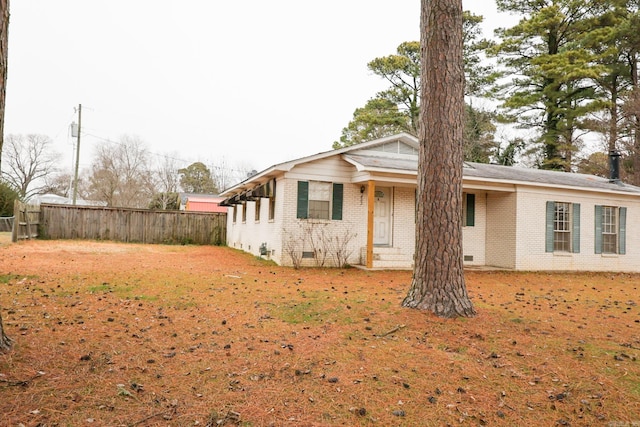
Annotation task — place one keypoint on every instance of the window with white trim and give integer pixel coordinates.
(610, 229)
(563, 227)
(319, 200)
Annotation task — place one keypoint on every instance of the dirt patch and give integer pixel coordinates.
(123, 334)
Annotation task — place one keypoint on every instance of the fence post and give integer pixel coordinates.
(16, 221)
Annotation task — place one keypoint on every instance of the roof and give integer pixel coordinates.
(201, 199)
(540, 176)
(204, 204)
(368, 157)
(499, 173)
(54, 199)
(269, 173)
(185, 196)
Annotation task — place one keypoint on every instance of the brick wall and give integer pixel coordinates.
(531, 233)
(501, 230)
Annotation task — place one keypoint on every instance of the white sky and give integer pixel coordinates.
(254, 82)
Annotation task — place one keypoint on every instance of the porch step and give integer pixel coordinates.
(387, 258)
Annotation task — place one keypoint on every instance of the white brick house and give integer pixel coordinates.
(356, 206)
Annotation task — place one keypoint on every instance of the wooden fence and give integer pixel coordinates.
(6, 224)
(132, 225)
(26, 219)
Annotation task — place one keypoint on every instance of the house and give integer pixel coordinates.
(357, 206)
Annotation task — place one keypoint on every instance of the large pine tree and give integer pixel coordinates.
(438, 283)
(551, 86)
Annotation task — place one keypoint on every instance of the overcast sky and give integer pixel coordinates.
(254, 82)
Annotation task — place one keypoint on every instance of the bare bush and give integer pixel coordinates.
(293, 245)
(340, 247)
(323, 239)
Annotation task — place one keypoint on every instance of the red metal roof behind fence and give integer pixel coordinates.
(205, 204)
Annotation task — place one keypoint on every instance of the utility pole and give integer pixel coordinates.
(75, 178)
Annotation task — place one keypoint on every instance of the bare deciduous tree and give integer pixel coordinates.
(225, 174)
(438, 279)
(166, 182)
(120, 174)
(28, 162)
(60, 183)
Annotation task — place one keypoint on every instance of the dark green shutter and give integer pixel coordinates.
(303, 200)
(471, 210)
(575, 232)
(337, 202)
(622, 236)
(551, 210)
(598, 229)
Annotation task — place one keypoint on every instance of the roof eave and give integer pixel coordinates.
(548, 185)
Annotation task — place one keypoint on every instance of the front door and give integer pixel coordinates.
(382, 216)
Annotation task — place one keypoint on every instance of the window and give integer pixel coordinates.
(319, 200)
(610, 229)
(257, 209)
(235, 213)
(563, 227)
(244, 212)
(272, 208)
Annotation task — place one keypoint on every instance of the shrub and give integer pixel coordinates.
(8, 196)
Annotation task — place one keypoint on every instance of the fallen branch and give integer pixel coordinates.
(167, 415)
(22, 383)
(394, 330)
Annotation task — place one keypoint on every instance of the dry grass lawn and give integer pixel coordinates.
(113, 334)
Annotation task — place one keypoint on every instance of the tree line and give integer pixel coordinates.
(565, 74)
(121, 174)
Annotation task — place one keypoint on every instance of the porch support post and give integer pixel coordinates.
(371, 191)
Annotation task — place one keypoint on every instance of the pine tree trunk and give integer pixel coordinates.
(438, 283)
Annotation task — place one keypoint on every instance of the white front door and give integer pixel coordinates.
(382, 216)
